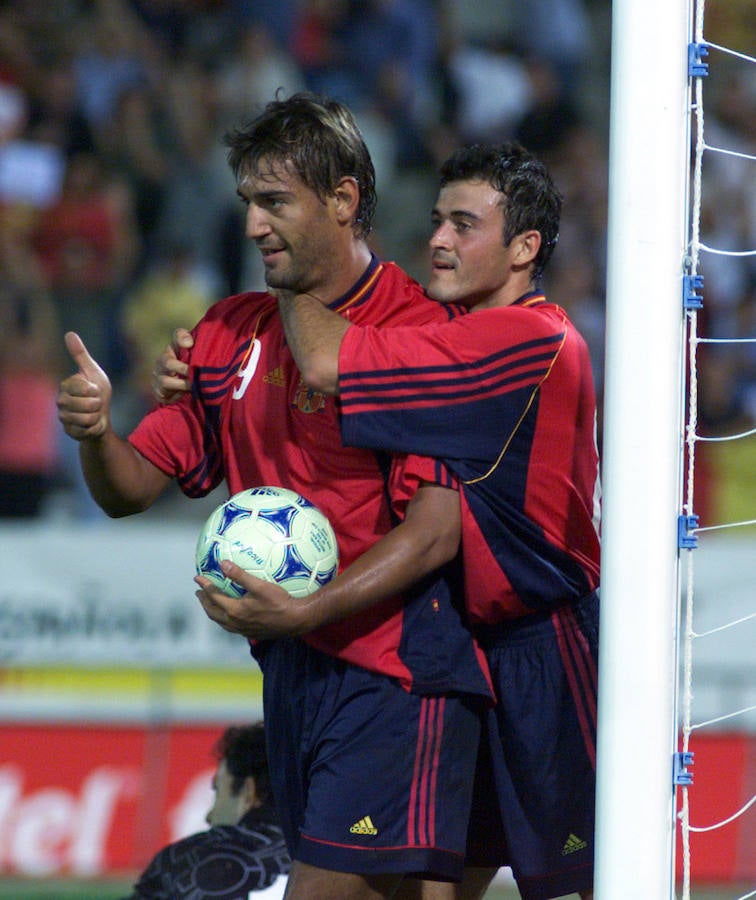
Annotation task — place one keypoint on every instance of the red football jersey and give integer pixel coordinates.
(504, 398)
(251, 420)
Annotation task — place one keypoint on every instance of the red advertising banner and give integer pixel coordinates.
(85, 801)
(724, 782)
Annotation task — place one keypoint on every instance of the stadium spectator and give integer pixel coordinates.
(199, 195)
(86, 242)
(559, 33)
(139, 144)
(29, 370)
(55, 115)
(243, 852)
(111, 54)
(317, 47)
(253, 73)
(170, 292)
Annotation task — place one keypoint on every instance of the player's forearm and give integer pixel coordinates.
(120, 480)
(388, 569)
(424, 542)
(314, 334)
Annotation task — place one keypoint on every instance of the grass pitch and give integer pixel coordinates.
(25, 889)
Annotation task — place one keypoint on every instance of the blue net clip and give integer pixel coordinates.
(692, 284)
(697, 68)
(686, 526)
(680, 774)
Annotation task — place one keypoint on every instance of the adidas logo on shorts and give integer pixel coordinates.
(573, 844)
(364, 826)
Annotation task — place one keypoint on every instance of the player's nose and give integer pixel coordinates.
(440, 239)
(257, 224)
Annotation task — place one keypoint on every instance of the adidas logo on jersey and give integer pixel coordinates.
(573, 844)
(275, 376)
(364, 826)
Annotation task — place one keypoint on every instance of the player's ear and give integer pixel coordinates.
(249, 793)
(346, 199)
(527, 246)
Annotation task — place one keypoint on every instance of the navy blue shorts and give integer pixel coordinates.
(367, 777)
(540, 753)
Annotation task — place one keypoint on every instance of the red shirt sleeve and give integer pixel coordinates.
(408, 472)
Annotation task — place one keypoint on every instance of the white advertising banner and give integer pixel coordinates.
(115, 593)
(99, 622)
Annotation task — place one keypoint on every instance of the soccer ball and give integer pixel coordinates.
(272, 533)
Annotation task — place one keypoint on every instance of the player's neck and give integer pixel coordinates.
(346, 272)
(507, 294)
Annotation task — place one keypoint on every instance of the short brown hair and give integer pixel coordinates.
(319, 138)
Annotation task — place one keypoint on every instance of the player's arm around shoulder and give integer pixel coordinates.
(314, 334)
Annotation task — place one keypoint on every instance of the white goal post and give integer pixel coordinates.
(642, 450)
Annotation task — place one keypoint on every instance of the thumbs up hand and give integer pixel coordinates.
(84, 397)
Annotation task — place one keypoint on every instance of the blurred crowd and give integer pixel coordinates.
(119, 217)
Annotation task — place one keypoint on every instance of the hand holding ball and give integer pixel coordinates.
(274, 534)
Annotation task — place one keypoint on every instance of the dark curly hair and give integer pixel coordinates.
(243, 749)
(530, 198)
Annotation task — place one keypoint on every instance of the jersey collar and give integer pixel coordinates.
(362, 288)
(532, 298)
